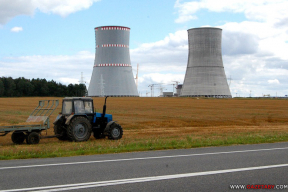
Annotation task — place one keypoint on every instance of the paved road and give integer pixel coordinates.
(201, 169)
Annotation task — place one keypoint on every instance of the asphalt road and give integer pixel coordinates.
(201, 169)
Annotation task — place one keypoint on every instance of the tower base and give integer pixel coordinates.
(208, 96)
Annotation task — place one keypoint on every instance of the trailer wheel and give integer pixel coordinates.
(115, 132)
(33, 138)
(60, 132)
(79, 129)
(18, 137)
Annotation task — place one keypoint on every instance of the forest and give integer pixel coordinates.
(21, 87)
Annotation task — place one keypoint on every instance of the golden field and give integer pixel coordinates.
(164, 119)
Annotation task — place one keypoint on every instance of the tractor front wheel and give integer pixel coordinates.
(18, 137)
(33, 138)
(79, 129)
(115, 132)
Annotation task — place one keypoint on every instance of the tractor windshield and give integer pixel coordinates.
(88, 107)
(67, 108)
(83, 107)
(79, 106)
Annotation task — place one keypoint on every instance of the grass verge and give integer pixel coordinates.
(92, 147)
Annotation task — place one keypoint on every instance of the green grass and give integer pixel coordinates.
(92, 147)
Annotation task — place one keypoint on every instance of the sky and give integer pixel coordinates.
(55, 39)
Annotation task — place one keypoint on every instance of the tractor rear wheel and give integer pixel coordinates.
(115, 132)
(18, 137)
(60, 132)
(33, 138)
(79, 129)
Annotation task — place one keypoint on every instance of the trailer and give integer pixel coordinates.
(37, 122)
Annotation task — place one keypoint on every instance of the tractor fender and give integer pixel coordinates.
(108, 126)
(57, 119)
(68, 119)
(67, 122)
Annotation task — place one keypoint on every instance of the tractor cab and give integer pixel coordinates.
(77, 106)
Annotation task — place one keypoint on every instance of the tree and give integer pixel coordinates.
(2, 89)
(61, 90)
(22, 87)
(44, 90)
(9, 87)
(82, 90)
(29, 88)
(40, 87)
(71, 90)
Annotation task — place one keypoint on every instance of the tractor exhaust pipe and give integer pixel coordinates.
(104, 109)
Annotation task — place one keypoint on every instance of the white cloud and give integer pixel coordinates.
(169, 54)
(259, 10)
(166, 78)
(62, 7)
(11, 9)
(161, 62)
(234, 43)
(185, 18)
(62, 68)
(273, 81)
(66, 80)
(16, 29)
(186, 10)
(250, 72)
(267, 39)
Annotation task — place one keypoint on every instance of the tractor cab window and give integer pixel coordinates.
(67, 108)
(88, 107)
(79, 106)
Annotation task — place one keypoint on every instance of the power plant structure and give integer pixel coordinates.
(112, 72)
(205, 75)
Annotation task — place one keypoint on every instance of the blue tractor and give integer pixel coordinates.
(78, 120)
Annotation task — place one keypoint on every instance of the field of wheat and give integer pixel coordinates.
(156, 123)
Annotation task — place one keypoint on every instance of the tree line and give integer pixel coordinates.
(22, 87)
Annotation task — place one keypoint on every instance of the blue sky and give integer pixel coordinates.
(55, 39)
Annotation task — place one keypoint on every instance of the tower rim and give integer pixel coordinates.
(197, 28)
(111, 26)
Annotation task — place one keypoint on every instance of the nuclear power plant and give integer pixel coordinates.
(112, 72)
(205, 75)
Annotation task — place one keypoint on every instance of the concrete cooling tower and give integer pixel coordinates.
(205, 75)
(112, 72)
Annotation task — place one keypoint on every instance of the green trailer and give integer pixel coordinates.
(37, 122)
